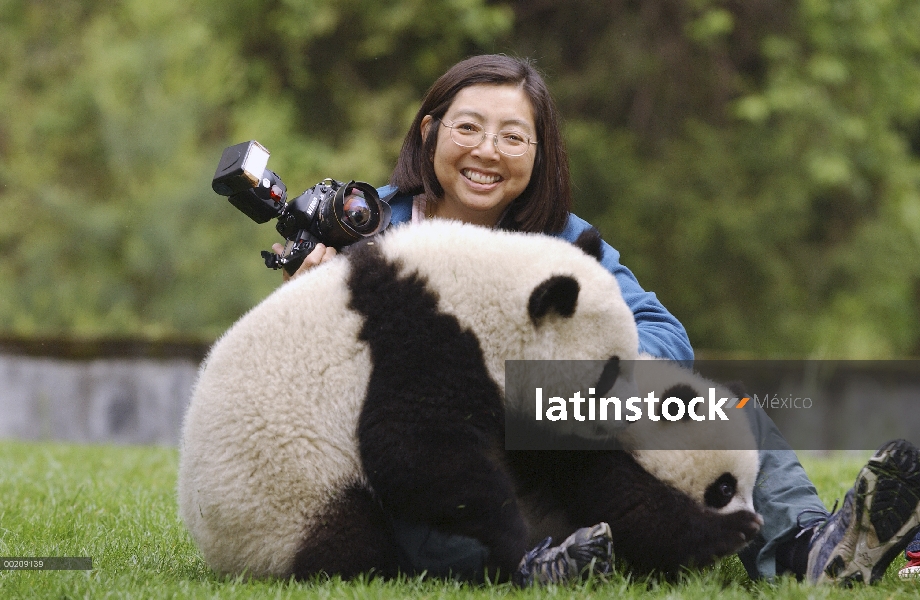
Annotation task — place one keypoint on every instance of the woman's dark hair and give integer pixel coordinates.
(544, 205)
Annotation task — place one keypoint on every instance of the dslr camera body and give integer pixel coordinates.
(331, 212)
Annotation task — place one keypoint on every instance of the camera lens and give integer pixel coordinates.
(356, 210)
(353, 212)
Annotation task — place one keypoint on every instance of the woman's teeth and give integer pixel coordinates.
(477, 177)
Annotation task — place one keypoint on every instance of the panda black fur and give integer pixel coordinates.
(370, 391)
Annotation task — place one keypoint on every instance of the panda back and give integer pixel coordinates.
(269, 435)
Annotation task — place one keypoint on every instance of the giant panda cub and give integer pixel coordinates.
(677, 493)
(367, 395)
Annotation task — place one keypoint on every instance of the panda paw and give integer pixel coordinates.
(735, 531)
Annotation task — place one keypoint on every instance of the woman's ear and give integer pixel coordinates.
(426, 124)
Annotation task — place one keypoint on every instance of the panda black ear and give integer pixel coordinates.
(558, 294)
(590, 242)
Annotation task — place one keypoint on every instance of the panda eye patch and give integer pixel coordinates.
(721, 491)
(609, 375)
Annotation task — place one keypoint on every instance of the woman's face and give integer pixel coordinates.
(480, 182)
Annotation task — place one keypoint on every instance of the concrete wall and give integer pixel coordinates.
(113, 391)
(108, 400)
(136, 391)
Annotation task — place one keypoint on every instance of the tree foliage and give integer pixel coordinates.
(755, 161)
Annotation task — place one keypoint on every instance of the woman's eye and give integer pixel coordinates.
(513, 137)
(469, 127)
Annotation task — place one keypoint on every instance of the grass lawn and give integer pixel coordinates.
(116, 504)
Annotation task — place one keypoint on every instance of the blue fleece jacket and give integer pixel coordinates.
(660, 333)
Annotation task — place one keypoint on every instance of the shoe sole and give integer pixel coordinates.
(887, 504)
(909, 573)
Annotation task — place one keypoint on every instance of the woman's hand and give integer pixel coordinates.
(320, 254)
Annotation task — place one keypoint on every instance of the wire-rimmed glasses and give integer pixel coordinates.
(470, 134)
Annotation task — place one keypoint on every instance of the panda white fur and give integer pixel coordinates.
(369, 392)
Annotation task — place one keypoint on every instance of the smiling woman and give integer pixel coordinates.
(525, 189)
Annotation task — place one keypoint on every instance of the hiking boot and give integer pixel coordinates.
(588, 550)
(879, 517)
(912, 554)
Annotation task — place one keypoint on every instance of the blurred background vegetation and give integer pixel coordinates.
(754, 161)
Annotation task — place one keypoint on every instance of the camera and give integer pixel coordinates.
(331, 212)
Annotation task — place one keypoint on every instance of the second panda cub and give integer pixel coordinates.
(685, 486)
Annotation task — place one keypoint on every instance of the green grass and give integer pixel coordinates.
(116, 504)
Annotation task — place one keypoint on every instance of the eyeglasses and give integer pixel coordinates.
(470, 134)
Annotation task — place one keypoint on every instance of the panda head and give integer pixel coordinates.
(722, 480)
(524, 296)
(713, 462)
